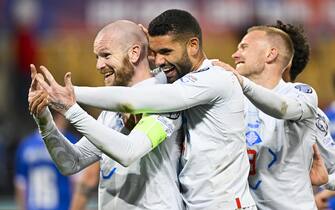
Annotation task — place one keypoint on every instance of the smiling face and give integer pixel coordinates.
(250, 57)
(112, 60)
(171, 56)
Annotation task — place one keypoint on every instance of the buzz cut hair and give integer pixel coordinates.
(273, 32)
(176, 22)
(301, 47)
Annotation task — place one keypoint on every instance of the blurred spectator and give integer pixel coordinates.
(86, 185)
(330, 112)
(38, 183)
(326, 199)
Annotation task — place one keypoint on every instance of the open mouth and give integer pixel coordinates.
(168, 70)
(108, 74)
(239, 63)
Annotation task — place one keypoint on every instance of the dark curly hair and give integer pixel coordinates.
(301, 47)
(177, 22)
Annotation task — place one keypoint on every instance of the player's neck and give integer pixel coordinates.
(268, 78)
(198, 60)
(142, 72)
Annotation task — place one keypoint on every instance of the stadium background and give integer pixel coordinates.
(59, 34)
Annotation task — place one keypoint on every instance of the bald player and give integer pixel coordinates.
(214, 160)
(138, 171)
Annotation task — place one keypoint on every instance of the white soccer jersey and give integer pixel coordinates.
(149, 183)
(215, 161)
(326, 146)
(279, 175)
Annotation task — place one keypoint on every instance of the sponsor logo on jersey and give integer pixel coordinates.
(304, 88)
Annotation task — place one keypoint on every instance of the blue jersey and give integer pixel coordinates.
(45, 187)
(330, 112)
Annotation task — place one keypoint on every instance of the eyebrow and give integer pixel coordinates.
(242, 45)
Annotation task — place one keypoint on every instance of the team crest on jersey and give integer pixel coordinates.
(321, 124)
(304, 88)
(188, 78)
(253, 138)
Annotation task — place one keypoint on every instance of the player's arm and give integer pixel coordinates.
(191, 90)
(326, 147)
(85, 186)
(69, 158)
(147, 134)
(318, 173)
(158, 99)
(277, 105)
(161, 98)
(297, 107)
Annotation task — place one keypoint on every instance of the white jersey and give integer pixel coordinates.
(151, 182)
(279, 175)
(215, 162)
(326, 146)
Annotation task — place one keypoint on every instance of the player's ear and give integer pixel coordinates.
(272, 55)
(134, 53)
(193, 46)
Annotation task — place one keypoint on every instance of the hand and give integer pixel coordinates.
(37, 98)
(229, 68)
(38, 101)
(59, 98)
(318, 173)
(321, 199)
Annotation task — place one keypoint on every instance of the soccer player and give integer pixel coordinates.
(214, 162)
(38, 183)
(324, 135)
(279, 129)
(147, 183)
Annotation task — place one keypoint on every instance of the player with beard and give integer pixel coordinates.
(214, 162)
(147, 183)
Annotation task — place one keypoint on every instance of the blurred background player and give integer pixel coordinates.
(86, 186)
(38, 183)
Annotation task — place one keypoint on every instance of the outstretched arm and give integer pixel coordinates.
(158, 99)
(278, 105)
(147, 134)
(69, 158)
(274, 104)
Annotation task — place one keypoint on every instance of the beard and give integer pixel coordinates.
(184, 66)
(125, 73)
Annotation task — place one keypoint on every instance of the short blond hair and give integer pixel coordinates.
(278, 34)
